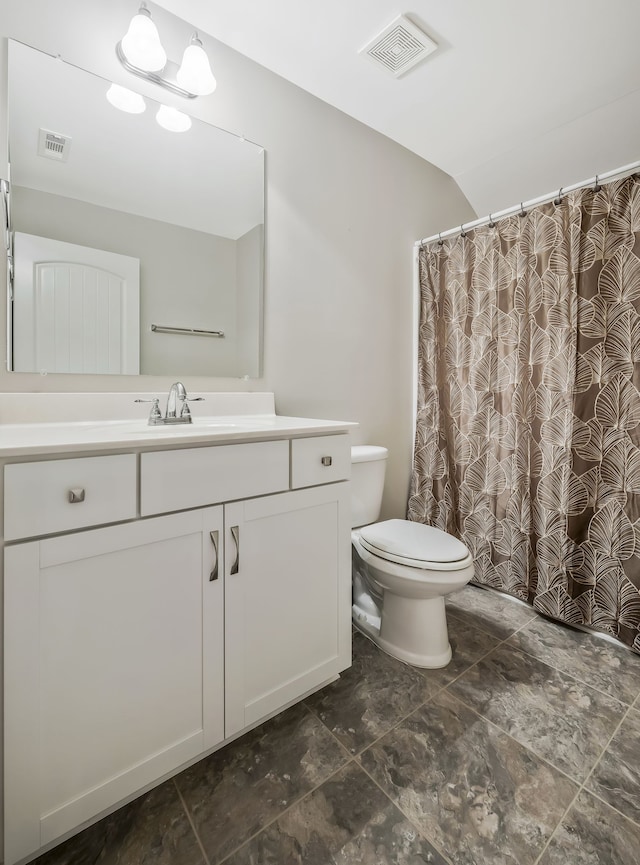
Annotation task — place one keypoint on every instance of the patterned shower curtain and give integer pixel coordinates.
(528, 431)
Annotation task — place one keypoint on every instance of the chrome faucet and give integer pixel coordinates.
(177, 394)
(177, 391)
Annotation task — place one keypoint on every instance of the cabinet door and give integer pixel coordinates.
(287, 599)
(109, 637)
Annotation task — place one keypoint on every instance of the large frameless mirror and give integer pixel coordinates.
(134, 249)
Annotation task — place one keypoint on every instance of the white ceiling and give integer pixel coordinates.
(520, 98)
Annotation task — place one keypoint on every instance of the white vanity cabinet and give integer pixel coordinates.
(113, 667)
(287, 599)
(287, 609)
(132, 649)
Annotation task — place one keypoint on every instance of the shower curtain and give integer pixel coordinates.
(528, 424)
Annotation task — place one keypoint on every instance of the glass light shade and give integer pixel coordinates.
(125, 99)
(172, 119)
(141, 45)
(195, 73)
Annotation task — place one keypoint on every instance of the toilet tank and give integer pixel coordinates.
(368, 465)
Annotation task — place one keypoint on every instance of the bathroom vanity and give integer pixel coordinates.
(164, 590)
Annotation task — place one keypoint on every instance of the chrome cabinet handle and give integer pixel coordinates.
(327, 461)
(235, 534)
(76, 495)
(214, 571)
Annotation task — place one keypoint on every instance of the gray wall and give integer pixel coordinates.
(344, 206)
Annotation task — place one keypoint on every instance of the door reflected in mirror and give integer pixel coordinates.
(125, 234)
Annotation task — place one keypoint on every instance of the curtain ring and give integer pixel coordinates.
(491, 222)
(463, 233)
(558, 200)
(440, 240)
(523, 212)
(597, 186)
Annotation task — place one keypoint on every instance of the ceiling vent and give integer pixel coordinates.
(53, 146)
(399, 46)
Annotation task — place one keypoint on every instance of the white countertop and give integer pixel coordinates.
(26, 439)
(34, 424)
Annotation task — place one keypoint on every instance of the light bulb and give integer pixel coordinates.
(141, 45)
(125, 99)
(195, 73)
(172, 119)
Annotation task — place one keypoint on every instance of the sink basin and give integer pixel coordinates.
(170, 429)
(202, 425)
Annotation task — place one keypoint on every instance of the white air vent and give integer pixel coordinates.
(399, 46)
(53, 146)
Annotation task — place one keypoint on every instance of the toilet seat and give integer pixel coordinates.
(414, 545)
(399, 590)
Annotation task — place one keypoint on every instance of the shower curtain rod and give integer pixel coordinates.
(519, 208)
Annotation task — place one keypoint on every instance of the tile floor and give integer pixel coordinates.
(524, 750)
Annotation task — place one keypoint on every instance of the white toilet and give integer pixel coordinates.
(401, 571)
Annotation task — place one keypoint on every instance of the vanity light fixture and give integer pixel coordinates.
(141, 45)
(172, 119)
(195, 74)
(141, 53)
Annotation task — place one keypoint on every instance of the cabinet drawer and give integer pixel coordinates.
(320, 460)
(37, 496)
(193, 477)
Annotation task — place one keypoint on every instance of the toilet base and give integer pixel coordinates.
(412, 630)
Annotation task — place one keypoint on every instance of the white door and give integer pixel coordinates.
(113, 667)
(287, 599)
(75, 309)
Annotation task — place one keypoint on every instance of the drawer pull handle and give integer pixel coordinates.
(76, 495)
(326, 461)
(235, 534)
(214, 571)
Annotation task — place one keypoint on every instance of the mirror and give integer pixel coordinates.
(135, 249)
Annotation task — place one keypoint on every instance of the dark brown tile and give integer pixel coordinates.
(370, 697)
(592, 833)
(600, 663)
(468, 645)
(347, 820)
(560, 718)
(233, 793)
(616, 778)
(152, 830)
(473, 791)
(493, 612)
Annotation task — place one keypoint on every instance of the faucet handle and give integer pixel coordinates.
(155, 412)
(185, 410)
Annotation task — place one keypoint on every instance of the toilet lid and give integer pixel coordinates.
(412, 543)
